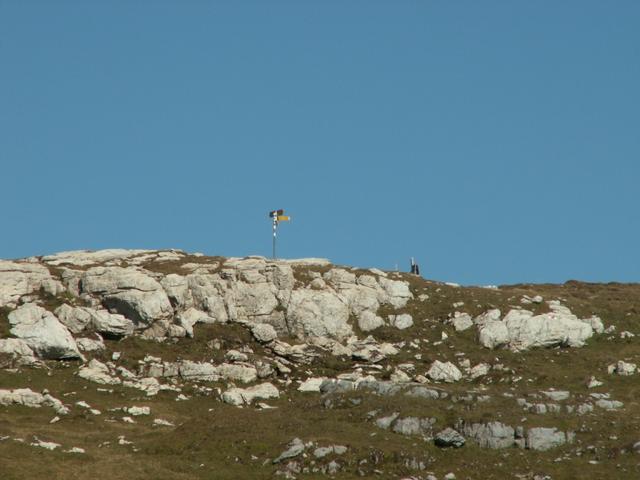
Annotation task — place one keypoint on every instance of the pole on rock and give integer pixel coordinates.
(277, 216)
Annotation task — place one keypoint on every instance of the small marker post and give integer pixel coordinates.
(275, 227)
(277, 216)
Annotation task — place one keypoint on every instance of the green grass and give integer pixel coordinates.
(4, 322)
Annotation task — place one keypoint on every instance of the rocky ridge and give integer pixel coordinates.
(400, 356)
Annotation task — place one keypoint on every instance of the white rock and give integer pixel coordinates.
(547, 330)
(130, 292)
(18, 349)
(295, 448)
(491, 435)
(90, 344)
(521, 330)
(46, 445)
(208, 296)
(24, 278)
(444, 372)
(488, 316)
(624, 368)
(137, 411)
(479, 370)
(545, 438)
(398, 291)
(377, 271)
(177, 289)
(162, 423)
(337, 277)
(385, 422)
(255, 302)
(318, 314)
(263, 332)
(84, 258)
(609, 404)
(237, 372)
(74, 318)
(236, 356)
(493, 334)
(75, 450)
(111, 324)
(98, 372)
(42, 331)
(398, 376)
(557, 395)
(29, 398)
(311, 384)
(202, 371)
(368, 321)
(401, 322)
(593, 383)
(462, 322)
(596, 324)
(242, 396)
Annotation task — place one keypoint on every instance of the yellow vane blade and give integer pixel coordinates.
(283, 218)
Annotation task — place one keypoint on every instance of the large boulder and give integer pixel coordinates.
(318, 314)
(111, 280)
(110, 324)
(76, 319)
(254, 300)
(494, 334)
(361, 294)
(29, 398)
(25, 278)
(521, 329)
(177, 289)
(43, 333)
(129, 292)
(208, 293)
(18, 350)
(368, 321)
(397, 291)
(246, 396)
(143, 308)
(547, 330)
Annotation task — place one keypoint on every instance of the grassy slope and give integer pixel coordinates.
(213, 440)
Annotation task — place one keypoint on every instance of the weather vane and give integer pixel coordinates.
(277, 216)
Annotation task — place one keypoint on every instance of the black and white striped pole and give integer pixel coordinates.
(276, 217)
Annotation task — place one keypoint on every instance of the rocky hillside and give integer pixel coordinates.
(162, 364)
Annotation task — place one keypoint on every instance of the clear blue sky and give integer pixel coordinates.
(497, 142)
